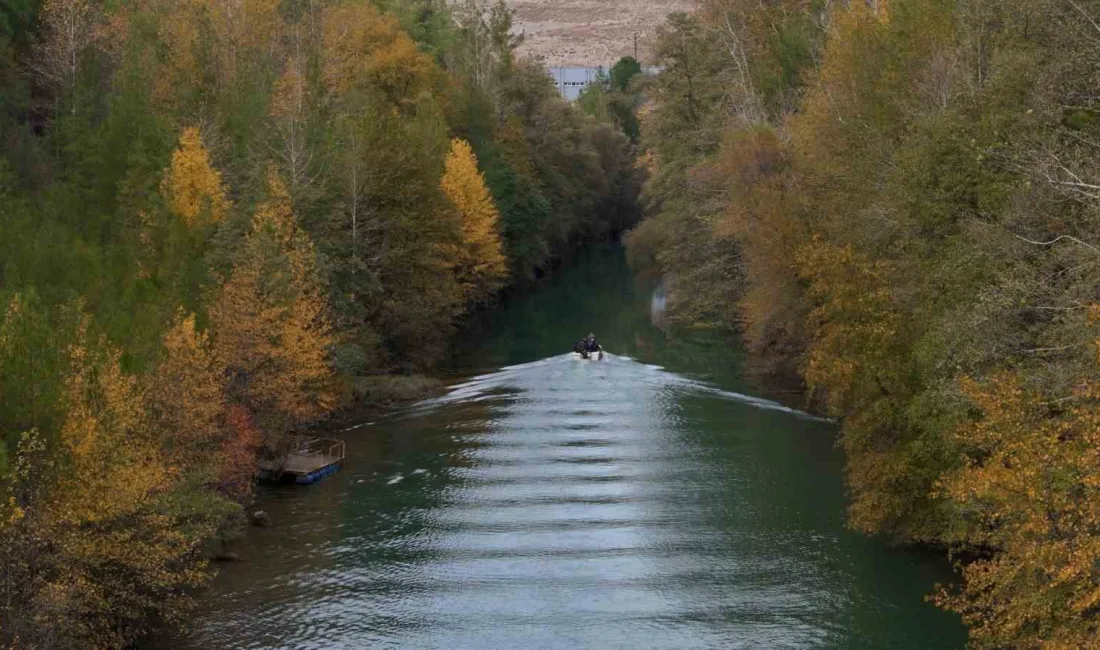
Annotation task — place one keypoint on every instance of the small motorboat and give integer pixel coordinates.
(589, 356)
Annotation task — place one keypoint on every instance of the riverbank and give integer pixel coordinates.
(923, 258)
(199, 256)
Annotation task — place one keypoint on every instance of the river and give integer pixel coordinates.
(644, 501)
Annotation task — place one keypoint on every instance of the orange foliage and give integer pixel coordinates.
(271, 326)
(290, 95)
(238, 453)
(1030, 487)
(179, 30)
(765, 220)
(212, 36)
(240, 26)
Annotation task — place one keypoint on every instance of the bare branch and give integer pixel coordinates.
(1060, 348)
(1056, 240)
(1084, 14)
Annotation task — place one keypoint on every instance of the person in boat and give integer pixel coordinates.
(587, 346)
(590, 344)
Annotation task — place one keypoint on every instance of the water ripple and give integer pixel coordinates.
(564, 503)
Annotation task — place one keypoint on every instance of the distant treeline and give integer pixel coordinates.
(216, 218)
(899, 202)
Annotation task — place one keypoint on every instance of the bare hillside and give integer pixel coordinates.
(591, 32)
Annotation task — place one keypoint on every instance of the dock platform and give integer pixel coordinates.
(312, 459)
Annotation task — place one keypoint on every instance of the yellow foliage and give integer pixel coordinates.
(854, 353)
(365, 47)
(93, 553)
(243, 23)
(857, 105)
(191, 186)
(115, 467)
(857, 362)
(187, 398)
(480, 263)
(179, 30)
(764, 218)
(212, 36)
(270, 323)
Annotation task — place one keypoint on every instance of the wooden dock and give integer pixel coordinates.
(312, 459)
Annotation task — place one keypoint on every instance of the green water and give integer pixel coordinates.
(643, 501)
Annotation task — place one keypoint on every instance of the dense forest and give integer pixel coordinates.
(898, 202)
(220, 220)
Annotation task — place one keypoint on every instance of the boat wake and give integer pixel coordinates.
(558, 372)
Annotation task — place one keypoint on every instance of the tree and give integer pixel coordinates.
(97, 549)
(69, 29)
(192, 187)
(480, 262)
(1030, 488)
(290, 108)
(486, 44)
(271, 327)
(365, 49)
(187, 397)
(231, 304)
(429, 23)
(622, 73)
(30, 363)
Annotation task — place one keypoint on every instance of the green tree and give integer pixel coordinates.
(623, 73)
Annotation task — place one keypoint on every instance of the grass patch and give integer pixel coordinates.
(392, 390)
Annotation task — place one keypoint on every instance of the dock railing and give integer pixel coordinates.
(308, 453)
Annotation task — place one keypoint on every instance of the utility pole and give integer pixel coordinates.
(635, 46)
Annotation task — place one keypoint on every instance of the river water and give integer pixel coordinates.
(644, 501)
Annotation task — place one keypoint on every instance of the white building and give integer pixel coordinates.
(571, 80)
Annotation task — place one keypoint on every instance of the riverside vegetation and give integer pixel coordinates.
(899, 202)
(219, 220)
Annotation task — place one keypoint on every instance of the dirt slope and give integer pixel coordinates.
(591, 32)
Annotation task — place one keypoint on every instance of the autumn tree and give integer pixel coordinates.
(910, 196)
(290, 107)
(100, 551)
(1029, 489)
(170, 308)
(270, 323)
(192, 187)
(187, 397)
(480, 263)
(366, 49)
